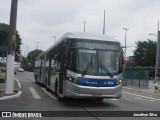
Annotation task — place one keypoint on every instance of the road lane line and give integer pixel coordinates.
(152, 100)
(18, 83)
(142, 96)
(34, 93)
(50, 95)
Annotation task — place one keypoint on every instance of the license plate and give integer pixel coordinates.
(96, 94)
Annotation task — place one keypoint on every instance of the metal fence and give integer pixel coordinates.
(138, 78)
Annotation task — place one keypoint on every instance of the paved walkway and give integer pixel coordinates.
(150, 90)
(16, 91)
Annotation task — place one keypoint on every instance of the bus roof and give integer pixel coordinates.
(80, 35)
(90, 36)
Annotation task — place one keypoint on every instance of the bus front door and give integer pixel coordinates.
(62, 71)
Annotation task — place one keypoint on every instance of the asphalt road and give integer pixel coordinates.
(35, 98)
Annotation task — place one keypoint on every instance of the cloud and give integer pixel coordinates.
(39, 20)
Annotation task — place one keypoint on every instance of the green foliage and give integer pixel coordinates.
(26, 62)
(34, 54)
(29, 61)
(145, 53)
(4, 36)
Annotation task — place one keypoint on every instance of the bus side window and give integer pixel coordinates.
(52, 66)
(56, 66)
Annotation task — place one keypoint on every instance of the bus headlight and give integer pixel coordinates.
(72, 79)
(119, 81)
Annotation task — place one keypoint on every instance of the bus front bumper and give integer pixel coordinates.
(77, 91)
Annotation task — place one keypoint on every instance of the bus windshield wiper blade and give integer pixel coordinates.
(105, 68)
(107, 71)
(86, 69)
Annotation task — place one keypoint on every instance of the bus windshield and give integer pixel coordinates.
(99, 62)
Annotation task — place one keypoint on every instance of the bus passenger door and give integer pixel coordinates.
(62, 70)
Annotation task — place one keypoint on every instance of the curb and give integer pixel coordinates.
(13, 96)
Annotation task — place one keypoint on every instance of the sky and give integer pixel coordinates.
(45, 21)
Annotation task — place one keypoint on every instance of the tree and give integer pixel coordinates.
(145, 53)
(4, 36)
(31, 57)
(34, 54)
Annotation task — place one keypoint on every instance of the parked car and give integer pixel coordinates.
(20, 70)
(3, 69)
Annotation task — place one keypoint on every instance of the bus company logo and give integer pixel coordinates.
(6, 114)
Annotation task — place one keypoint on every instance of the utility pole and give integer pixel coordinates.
(84, 26)
(104, 24)
(27, 49)
(125, 52)
(11, 49)
(37, 44)
(157, 70)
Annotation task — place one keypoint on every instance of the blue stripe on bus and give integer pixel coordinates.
(97, 82)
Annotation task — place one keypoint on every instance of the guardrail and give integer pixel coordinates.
(139, 78)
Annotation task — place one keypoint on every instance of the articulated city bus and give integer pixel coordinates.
(82, 65)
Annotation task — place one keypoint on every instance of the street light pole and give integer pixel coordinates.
(125, 52)
(104, 24)
(36, 45)
(11, 49)
(157, 68)
(84, 26)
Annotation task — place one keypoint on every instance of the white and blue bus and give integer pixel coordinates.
(82, 65)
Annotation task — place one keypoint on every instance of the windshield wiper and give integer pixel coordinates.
(106, 69)
(86, 69)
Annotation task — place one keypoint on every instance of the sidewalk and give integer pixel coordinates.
(149, 90)
(17, 91)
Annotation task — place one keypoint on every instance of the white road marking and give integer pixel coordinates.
(50, 95)
(18, 83)
(152, 100)
(34, 93)
(142, 96)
